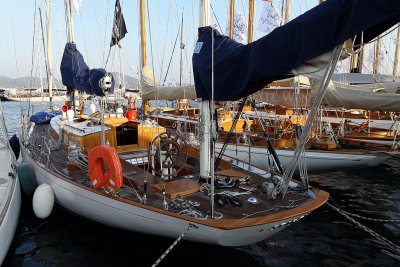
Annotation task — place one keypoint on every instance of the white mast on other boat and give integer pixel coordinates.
(49, 52)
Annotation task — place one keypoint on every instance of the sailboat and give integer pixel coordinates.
(10, 192)
(137, 176)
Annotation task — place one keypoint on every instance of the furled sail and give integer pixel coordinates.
(76, 74)
(240, 70)
(356, 97)
(152, 90)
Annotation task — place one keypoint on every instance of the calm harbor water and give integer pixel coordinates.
(324, 238)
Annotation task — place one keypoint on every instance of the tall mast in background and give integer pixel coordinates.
(70, 22)
(396, 52)
(287, 8)
(251, 18)
(49, 53)
(231, 18)
(143, 32)
(377, 57)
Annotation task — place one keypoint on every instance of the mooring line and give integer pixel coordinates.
(392, 246)
(174, 244)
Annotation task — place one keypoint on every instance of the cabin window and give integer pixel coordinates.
(127, 134)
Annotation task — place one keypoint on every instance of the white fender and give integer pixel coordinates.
(43, 201)
(70, 115)
(120, 112)
(92, 108)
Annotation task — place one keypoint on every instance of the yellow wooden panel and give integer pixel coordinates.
(232, 174)
(182, 187)
(325, 144)
(115, 121)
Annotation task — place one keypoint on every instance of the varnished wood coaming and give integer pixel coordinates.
(232, 215)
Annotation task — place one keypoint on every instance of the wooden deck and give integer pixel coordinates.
(135, 170)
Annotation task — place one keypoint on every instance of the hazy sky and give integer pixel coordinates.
(92, 34)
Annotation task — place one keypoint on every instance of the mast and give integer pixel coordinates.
(231, 17)
(287, 11)
(205, 119)
(70, 39)
(142, 22)
(377, 56)
(70, 22)
(143, 32)
(182, 47)
(251, 16)
(396, 53)
(49, 53)
(355, 63)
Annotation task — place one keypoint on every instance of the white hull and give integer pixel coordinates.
(317, 161)
(10, 203)
(38, 99)
(104, 209)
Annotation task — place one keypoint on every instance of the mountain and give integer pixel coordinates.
(25, 82)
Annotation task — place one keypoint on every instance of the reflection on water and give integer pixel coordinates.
(324, 238)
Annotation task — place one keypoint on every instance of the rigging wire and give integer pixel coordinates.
(281, 188)
(13, 34)
(165, 41)
(33, 53)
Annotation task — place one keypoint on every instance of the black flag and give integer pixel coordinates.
(119, 27)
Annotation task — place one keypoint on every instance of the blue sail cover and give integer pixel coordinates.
(76, 74)
(240, 70)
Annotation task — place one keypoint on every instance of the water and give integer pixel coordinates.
(324, 238)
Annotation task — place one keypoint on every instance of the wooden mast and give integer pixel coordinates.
(143, 31)
(287, 11)
(377, 56)
(231, 18)
(396, 52)
(251, 18)
(143, 44)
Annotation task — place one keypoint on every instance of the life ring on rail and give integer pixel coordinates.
(113, 174)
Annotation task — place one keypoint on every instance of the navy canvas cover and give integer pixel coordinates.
(76, 74)
(240, 70)
(42, 117)
(94, 77)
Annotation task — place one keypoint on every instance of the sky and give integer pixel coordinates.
(93, 32)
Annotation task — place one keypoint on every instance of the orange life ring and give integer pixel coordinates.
(362, 127)
(113, 174)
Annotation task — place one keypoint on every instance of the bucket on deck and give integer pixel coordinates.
(131, 115)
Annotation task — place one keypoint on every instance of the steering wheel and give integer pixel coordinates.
(285, 127)
(167, 152)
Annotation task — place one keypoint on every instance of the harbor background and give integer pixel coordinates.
(323, 238)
